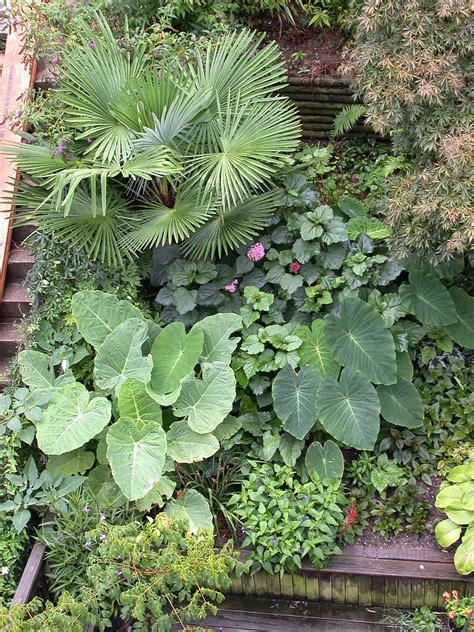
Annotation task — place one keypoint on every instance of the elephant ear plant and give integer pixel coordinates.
(158, 155)
(456, 499)
(161, 396)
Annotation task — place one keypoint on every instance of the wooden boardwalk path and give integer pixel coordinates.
(250, 614)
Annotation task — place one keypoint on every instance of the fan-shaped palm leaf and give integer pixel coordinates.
(246, 145)
(229, 229)
(160, 224)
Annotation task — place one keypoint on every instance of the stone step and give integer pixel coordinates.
(9, 337)
(20, 262)
(20, 233)
(16, 303)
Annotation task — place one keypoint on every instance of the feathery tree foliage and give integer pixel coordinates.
(412, 65)
(161, 155)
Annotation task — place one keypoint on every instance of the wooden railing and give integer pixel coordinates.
(15, 86)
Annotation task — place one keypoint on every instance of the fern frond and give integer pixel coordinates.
(346, 119)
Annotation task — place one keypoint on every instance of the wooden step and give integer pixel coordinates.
(20, 233)
(9, 337)
(249, 614)
(20, 263)
(16, 303)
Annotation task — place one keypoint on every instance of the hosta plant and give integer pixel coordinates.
(162, 395)
(179, 153)
(456, 499)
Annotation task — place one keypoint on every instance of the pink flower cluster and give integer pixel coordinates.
(256, 252)
(295, 267)
(232, 287)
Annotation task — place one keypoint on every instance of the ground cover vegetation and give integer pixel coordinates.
(231, 345)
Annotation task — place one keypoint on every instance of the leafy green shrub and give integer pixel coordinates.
(137, 571)
(411, 68)
(285, 520)
(456, 499)
(195, 147)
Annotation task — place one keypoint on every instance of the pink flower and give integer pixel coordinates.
(55, 60)
(256, 252)
(232, 287)
(446, 595)
(455, 594)
(295, 267)
(451, 614)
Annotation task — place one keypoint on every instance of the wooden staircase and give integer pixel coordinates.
(16, 303)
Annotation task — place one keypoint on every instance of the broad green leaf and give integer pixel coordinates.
(349, 409)
(97, 314)
(20, 519)
(136, 454)
(359, 338)
(370, 226)
(75, 462)
(404, 366)
(290, 449)
(324, 461)
(156, 497)
(187, 446)
(464, 557)
(351, 207)
(218, 345)
(106, 491)
(450, 496)
(460, 473)
(401, 404)
(227, 428)
(294, 399)
(135, 402)
(120, 356)
(428, 300)
(71, 420)
(206, 402)
(460, 516)
(462, 331)
(193, 509)
(36, 369)
(315, 351)
(447, 533)
(166, 399)
(175, 354)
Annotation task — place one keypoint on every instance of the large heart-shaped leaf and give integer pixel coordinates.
(193, 509)
(70, 420)
(290, 449)
(324, 461)
(359, 338)
(135, 402)
(97, 314)
(352, 207)
(428, 299)
(36, 369)
(294, 399)
(136, 454)
(462, 331)
(464, 555)
(175, 354)
(217, 329)
(120, 356)
(75, 462)
(207, 402)
(187, 446)
(401, 404)
(370, 226)
(315, 351)
(349, 409)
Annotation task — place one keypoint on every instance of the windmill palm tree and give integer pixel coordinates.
(183, 155)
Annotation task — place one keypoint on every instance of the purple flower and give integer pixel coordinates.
(14, 22)
(60, 148)
(91, 44)
(85, 509)
(89, 140)
(118, 558)
(55, 60)
(102, 537)
(88, 544)
(232, 287)
(256, 252)
(102, 517)
(119, 573)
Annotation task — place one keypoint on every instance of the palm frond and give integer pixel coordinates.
(227, 230)
(346, 119)
(160, 224)
(99, 236)
(246, 143)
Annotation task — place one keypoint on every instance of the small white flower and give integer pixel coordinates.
(5, 570)
(64, 365)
